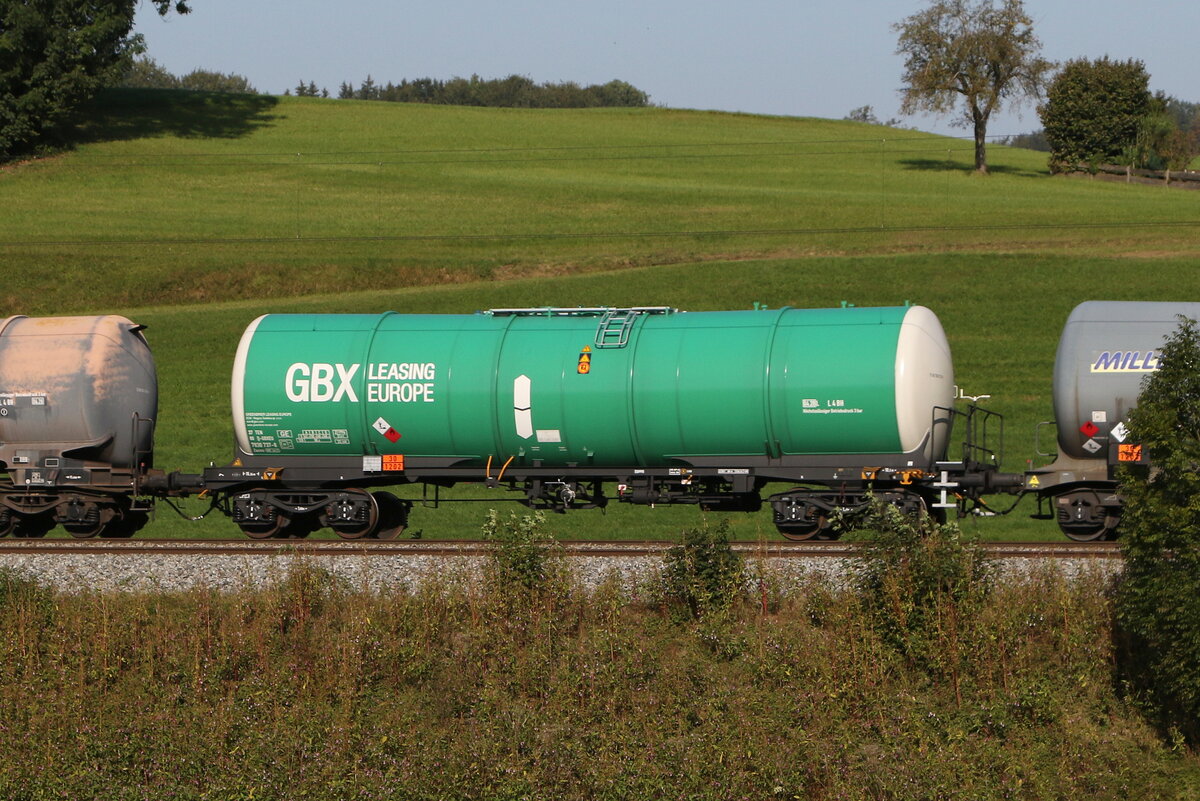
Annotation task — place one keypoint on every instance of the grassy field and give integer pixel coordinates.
(189, 198)
(468, 689)
(195, 213)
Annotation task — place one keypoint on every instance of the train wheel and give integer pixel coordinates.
(799, 518)
(33, 527)
(393, 516)
(802, 533)
(1086, 532)
(1083, 518)
(813, 534)
(84, 520)
(263, 530)
(82, 531)
(127, 524)
(256, 518)
(8, 521)
(352, 515)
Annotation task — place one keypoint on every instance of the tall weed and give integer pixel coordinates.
(520, 551)
(924, 586)
(702, 576)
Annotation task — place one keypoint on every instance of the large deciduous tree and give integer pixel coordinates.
(980, 54)
(54, 54)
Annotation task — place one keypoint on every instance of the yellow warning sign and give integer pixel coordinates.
(1033, 481)
(585, 362)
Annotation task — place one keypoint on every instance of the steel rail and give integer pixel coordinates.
(449, 548)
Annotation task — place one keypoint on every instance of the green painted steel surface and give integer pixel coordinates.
(538, 387)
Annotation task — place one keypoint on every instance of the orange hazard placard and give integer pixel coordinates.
(393, 462)
(1129, 453)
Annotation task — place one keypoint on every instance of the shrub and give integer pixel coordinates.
(1158, 603)
(519, 549)
(1093, 110)
(305, 593)
(702, 575)
(146, 73)
(923, 587)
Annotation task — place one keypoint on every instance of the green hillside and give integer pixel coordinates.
(178, 198)
(195, 213)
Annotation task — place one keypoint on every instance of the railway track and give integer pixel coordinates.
(452, 548)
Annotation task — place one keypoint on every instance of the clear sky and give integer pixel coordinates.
(794, 58)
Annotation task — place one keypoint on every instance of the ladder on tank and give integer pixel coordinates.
(140, 458)
(614, 327)
(611, 332)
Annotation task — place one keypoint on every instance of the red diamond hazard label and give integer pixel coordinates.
(385, 428)
(1089, 429)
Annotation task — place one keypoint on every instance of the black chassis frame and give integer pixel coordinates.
(732, 483)
(823, 485)
(71, 492)
(37, 488)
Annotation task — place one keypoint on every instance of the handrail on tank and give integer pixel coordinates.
(976, 450)
(7, 321)
(1037, 439)
(975, 445)
(579, 311)
(138, 466)
(940, 416)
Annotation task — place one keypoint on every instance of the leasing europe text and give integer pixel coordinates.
(315, 383)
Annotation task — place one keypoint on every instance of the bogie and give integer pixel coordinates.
(806, 513)
(1084, 516)
(352, 514)
(82, 517)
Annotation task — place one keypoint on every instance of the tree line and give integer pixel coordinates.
(57, 54)
(515, 91)
(146, 73)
